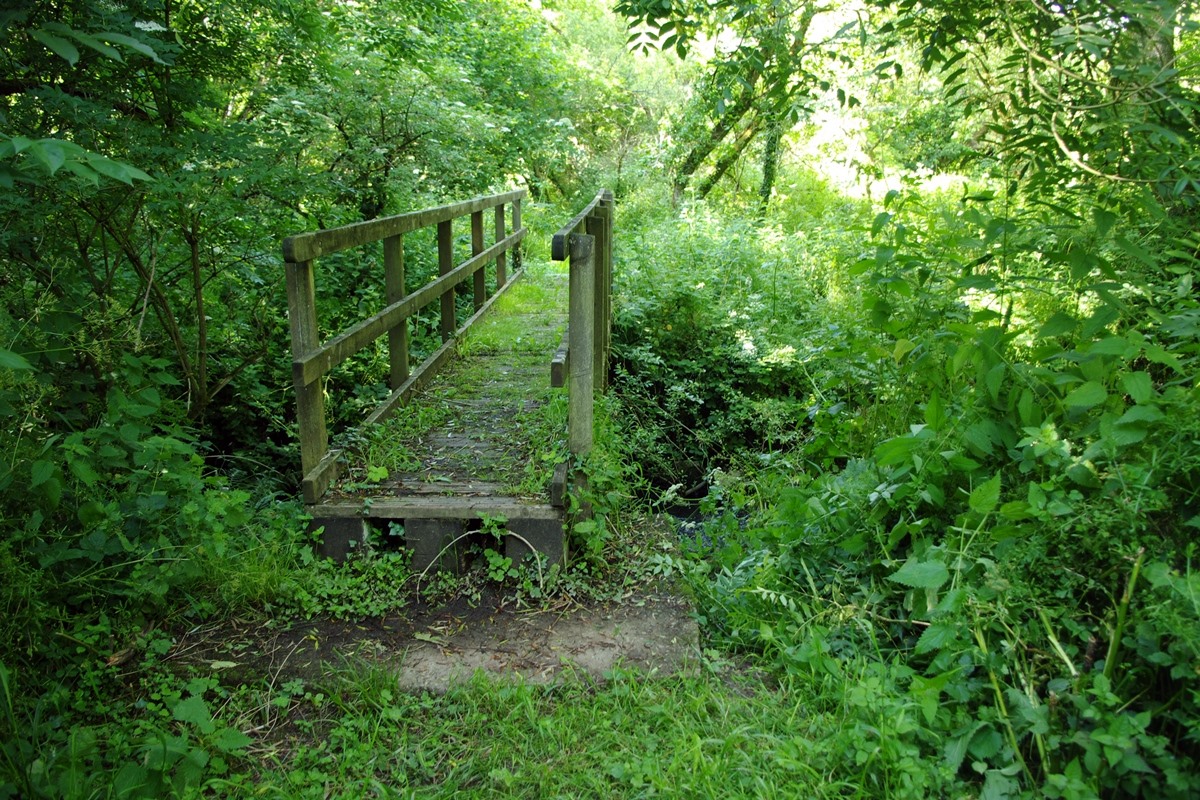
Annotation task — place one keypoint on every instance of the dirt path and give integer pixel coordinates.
(430, 649)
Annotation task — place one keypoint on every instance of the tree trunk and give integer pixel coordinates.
(704, 147)
(770, 164)
(728, 158)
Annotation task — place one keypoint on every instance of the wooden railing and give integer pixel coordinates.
(313, 359)
(581, 363)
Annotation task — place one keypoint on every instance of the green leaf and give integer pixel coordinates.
(130, 42)
(986, 496)
(1058, 325)
(229, 740)
(40, 472)
(921, 574)
(116, 170)
(50, 152)
(934, 411)
(11, 360)
(1136, 251)
(1135, 424)
(1138, 386)
(83, 470)
(1088, 395)
(195, 711)
(95, 44)
(936, 637)
(60, 47)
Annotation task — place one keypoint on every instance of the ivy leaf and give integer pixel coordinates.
(1088, 395)
(921, 574)
(986, 496)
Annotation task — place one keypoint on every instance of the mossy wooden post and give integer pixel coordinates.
(393, 267)
(480, 284)
(501, 277)
(445, 239)
(516, 223)
(582, 339)
(310, 397)
(605, 321)
(599, 226)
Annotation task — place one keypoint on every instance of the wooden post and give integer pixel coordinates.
(393, 268)
(310, 397)
(477, 248)
(580, 371)
(516, 224)
(445, 238)
(501, 277)
(606, 286)
(582, 340)
(596, 227)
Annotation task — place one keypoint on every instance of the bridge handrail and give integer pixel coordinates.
(561, 242)
(581, 362)
(312, 358)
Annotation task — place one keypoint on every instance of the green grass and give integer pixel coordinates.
(702, 734)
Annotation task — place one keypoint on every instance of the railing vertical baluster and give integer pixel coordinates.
(595, 225)
(605, 321)
(393, 268)
(501, 277)
(310, 397)
(516, 224)
(445, 238)
(480, 283)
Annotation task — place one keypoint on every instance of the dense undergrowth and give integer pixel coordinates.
(951, 462)
(940, 446)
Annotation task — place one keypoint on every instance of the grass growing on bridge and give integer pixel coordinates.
(490, 417)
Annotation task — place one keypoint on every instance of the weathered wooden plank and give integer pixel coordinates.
(560, 363)
(596, 226)
(480, 284)
(445, 245)
(516, 225)
(419, 485)
(318, 479)
(393, 270)
(501, 266)
(582, 340)
(320, 360)
(433, 507)
(558, 485)
(604, 321)
(429, 367)
(560, 244)
(307, 246)
(310, 399)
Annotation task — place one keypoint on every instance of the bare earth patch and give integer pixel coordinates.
(431, 649)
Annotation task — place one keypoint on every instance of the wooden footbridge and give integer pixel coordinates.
(479, 436)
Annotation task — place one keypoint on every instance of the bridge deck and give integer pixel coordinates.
(480, 442)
